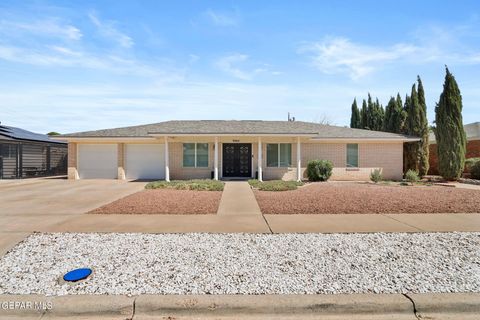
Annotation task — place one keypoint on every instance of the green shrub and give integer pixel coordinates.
(470, 162)
(319, 170)
(376, 175)
(275, 185)
(412, 176)
(475, 171)
(197, 184)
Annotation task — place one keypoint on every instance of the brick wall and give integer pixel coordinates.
(72, 172)
(473, 151)
(385, 156)
(177, 171)
(121, 161)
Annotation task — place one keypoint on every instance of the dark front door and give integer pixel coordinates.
(237, 160)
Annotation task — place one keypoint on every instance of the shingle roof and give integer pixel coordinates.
(233, 127)
(21, 134)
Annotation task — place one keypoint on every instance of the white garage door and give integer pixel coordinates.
(97, 161)
(145, 161)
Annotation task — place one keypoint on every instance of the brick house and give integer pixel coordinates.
(473, 146)
(220, 149)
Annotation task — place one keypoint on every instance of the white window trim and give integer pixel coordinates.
(278, 155)
(195, 161)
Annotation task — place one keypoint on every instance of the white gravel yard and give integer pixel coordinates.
(244, 263)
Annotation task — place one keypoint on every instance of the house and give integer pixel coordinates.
(25, 154)
(472, 131)
(221, 149)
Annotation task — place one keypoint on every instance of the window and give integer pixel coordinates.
(352, 155)
(279, 155)
(195, 155)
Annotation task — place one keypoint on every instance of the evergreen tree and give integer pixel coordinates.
(449, 132)
(404, 131)
(400, 116)
(389, 122)
(355, 118)
(370, 107)
(423, 164)
(363, 115)
(379, 116)
(412, 129)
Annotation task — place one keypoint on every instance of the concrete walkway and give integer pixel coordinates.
(238, 199)
(333, 223)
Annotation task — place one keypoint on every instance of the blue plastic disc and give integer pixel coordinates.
(77, 274)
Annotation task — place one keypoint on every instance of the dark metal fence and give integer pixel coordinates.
(30, 159)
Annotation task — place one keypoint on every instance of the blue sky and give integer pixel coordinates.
(79, 65)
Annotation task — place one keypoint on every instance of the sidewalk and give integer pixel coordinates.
(238, 199)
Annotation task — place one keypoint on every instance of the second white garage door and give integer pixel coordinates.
(145, 161)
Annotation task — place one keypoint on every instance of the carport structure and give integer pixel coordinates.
(25, 154)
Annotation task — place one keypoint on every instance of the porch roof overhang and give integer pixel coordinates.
(232, 134)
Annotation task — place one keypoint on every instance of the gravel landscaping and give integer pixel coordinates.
(351, 197)
(244, 263)
(164, 201)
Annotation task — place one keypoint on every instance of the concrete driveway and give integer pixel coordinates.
(35, 204)
(61, 196)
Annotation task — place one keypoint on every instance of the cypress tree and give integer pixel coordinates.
(412, 129)
(400, 116)
(449, 132)
(370, 111)
(363, 115)
(355, 118)
(423, 164)
(389, 122)
(379, 116)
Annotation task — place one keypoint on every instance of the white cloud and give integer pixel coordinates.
(51, 27)
(222, 19)
(340, 55)
(108, 30)
(337, 55)
(232, 65)
(60, 56)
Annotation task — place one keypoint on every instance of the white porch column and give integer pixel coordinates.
(299, 160)
(167, 167)
(215, 160)
(259, 157)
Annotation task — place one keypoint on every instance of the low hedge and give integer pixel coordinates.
(475, 171)
(275, 185)
(319, 170)
(470, 162)
(197, 184)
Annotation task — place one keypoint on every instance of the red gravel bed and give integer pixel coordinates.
(331, 197)
(164, 201)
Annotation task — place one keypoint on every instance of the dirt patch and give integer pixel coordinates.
(164, 201)
(328, 198)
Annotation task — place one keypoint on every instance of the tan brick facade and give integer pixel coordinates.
(121, 161)
(386, 156)
(72, 172)
(178, 172)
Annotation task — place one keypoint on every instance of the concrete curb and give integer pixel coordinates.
(227, 305)
(362, 306)
(432, 305)
(86, 306)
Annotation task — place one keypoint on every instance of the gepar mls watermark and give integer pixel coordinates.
(26, 305)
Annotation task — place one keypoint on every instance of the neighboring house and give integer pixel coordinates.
(473, 146)
(231, 149)
(25, 154)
